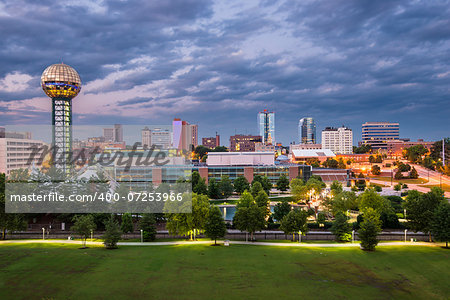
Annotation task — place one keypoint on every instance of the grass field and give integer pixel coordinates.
(38, 271)
(413, 181)
(445, 187)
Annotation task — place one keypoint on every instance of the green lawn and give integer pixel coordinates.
(38, 271)
(445, 187)
(413, 181)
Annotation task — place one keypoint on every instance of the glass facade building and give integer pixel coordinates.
(307, 131)
(266, 125)
(378, 134)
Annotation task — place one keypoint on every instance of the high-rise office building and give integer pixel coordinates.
(307, 131)
(161, 138)
(108, 134)
(16, 150)
(118, 133)
(339, 140)
(377, 134)
(146, 135)
(266, 125)
(244, 143)
(185, 135)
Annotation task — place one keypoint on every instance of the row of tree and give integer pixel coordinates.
(225, 187)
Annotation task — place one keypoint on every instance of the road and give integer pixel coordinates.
(433, 177)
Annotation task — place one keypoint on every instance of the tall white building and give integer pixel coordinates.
(339, 140)
(161, 138)
(158, 137)
(15, 152)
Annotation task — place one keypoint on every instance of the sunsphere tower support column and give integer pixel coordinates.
(61, 83)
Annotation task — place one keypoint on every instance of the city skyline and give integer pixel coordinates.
(217, 65)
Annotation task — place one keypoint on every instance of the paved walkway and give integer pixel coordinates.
(319, 245)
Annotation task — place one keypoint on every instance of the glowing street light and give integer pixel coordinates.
(142, 235)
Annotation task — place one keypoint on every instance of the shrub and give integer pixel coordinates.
(341, 228)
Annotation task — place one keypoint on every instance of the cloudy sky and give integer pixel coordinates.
(218, 63)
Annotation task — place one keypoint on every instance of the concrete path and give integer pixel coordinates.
(318, 245)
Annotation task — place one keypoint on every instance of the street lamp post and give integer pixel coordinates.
(353, 236)
(142, 235)
(299, 236)
(405, 234)
(43, 233)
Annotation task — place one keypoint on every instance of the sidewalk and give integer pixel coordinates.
(334, 245)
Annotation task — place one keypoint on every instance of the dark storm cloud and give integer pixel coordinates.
(341, 62)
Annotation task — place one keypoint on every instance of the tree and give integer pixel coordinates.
(195, 177)
(256, 188)
(414, 153)
(341, 163)
(147, 225)
(398, 175)
(127, 223)
(341, 228)
(200, 188)
(295, 221)
(226, 187)
(336, 187)
(403, 167)
(420, 209)
(262, 200)
(248, 217)
(9, 222)
(213, 189)
(343, 201)
(215, 224)
(436, 149)
(369, 229)
(413, 174)
(377, 188)
(281, 209)
(376, 170)
(220, 149)
(189, 223)
(241, 184)
(201, 151)
(265, 183)
(83, 226)
(112, 233)
(440, 226)
(321, 219)
(365, 148)
(330, 163)
(389, 219)
(371, 199)
(428, 163)
(298, 190)
(283, 183)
